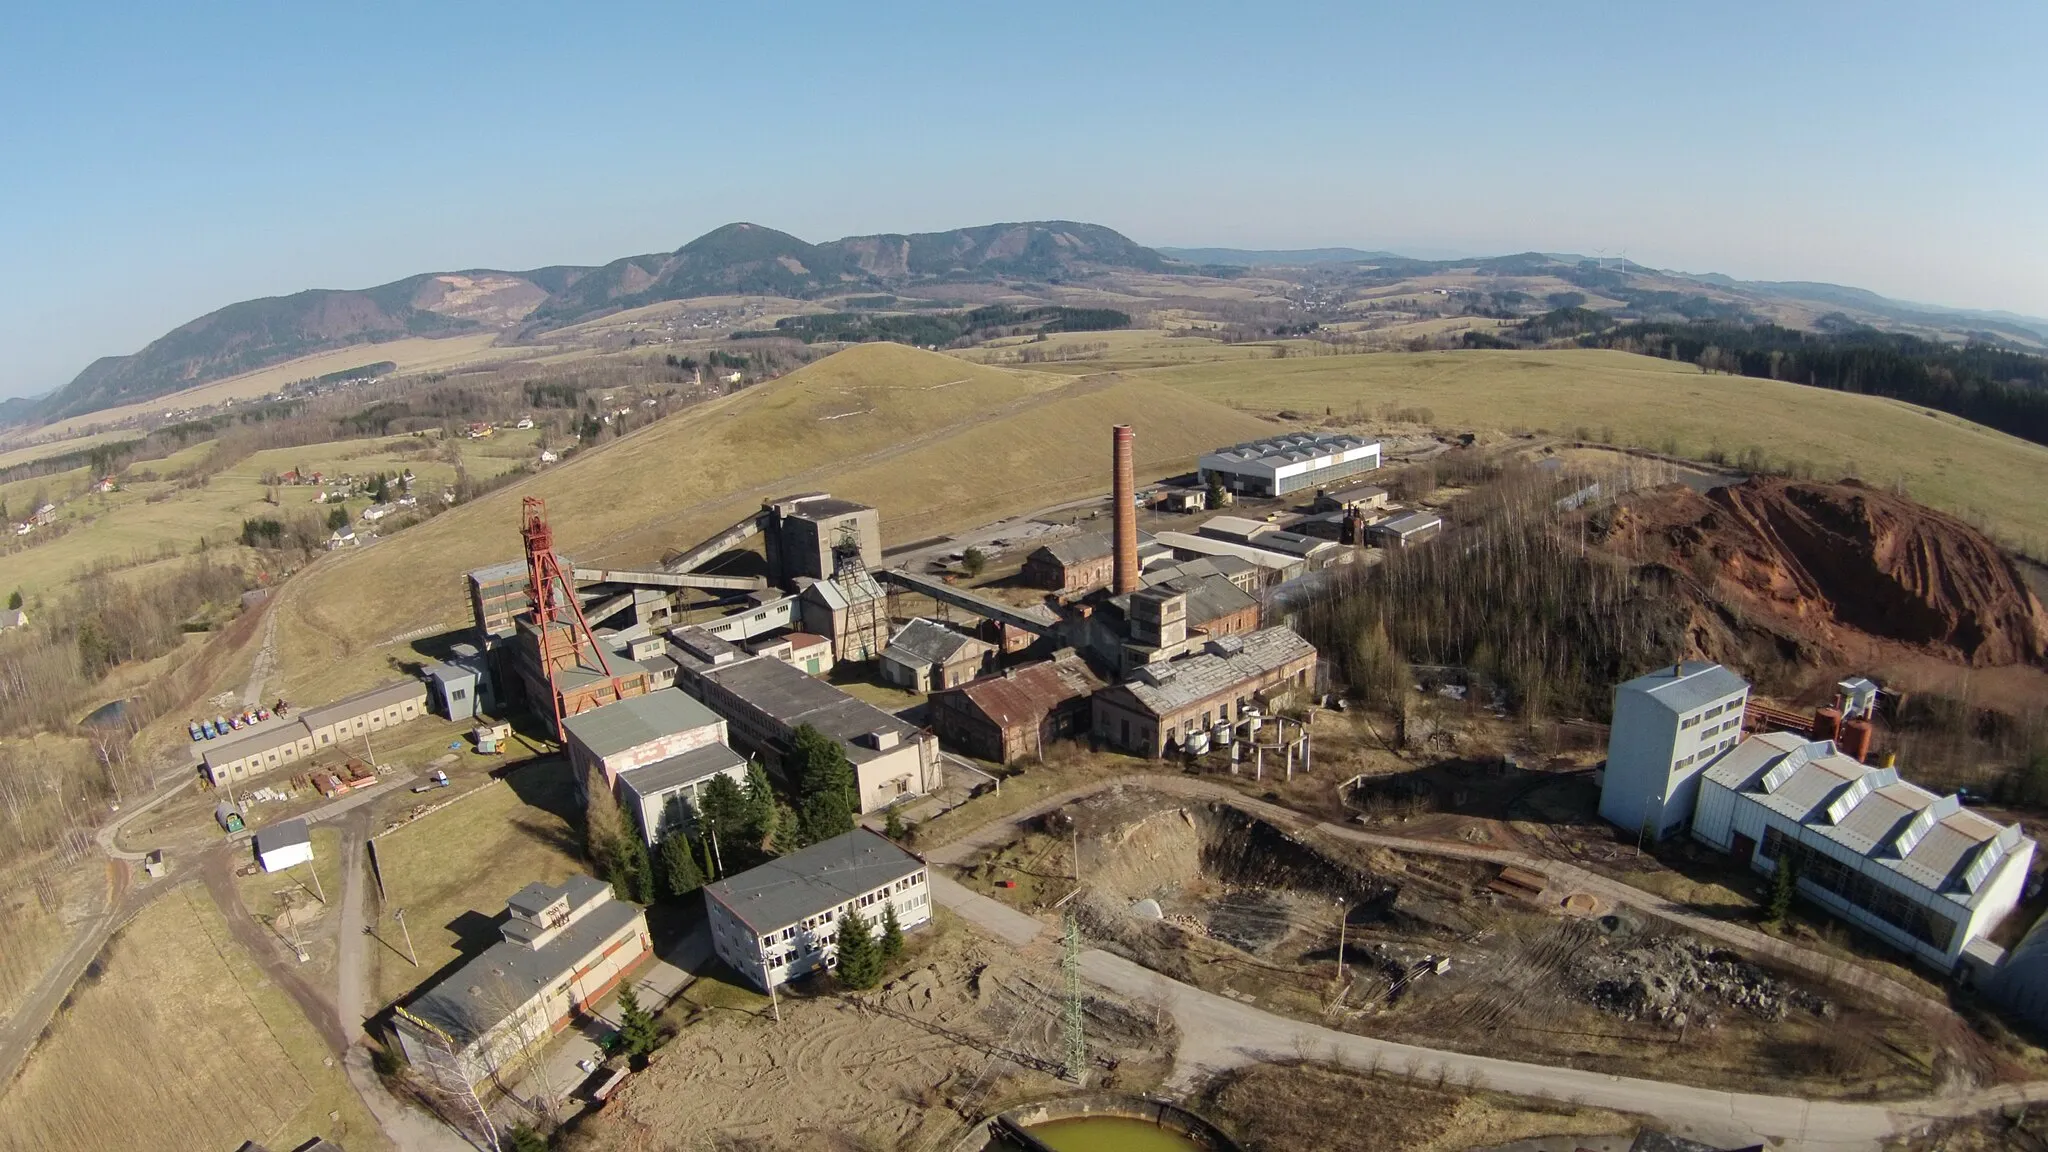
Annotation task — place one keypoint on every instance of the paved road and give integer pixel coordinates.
(1218, 1033)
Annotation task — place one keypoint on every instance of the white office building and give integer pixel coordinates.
(1669, 725)
(781, 920)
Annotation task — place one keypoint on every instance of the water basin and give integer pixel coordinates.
(1110, 1134)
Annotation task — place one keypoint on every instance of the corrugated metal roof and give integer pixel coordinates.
(825, 875)
(375, 700)
(1025, 695)
(260, 741)
(1165, 689)
(638, 720)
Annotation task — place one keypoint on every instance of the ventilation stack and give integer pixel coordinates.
(1124, 494)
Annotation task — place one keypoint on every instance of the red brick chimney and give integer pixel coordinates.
(1124, 494)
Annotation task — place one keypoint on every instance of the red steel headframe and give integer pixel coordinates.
(543, 574)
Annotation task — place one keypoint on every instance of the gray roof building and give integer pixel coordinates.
(1167, 688)
(283, 834)
(375, 700)
(928, 641)
(474, 999)
(790, 888)
(791, 698)
(679, 771)
(1684, 687)
(637, 720)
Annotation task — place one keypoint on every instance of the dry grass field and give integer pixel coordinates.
(143, 520)
(1944, 461)
(176, 1040)
(34, 936)
(1283, 1107)
(453, 870)
(935, 443)
(412, 354)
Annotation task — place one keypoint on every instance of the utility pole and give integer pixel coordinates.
(774, 1001)
(314, 868)
(1076, 1047)
(399, 913)
(1343, 922)
(717, 857)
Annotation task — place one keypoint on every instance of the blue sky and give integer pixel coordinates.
(156, 164)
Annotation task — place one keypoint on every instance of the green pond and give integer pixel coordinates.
(1110, 1134)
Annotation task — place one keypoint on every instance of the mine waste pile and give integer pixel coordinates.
(1678, 983)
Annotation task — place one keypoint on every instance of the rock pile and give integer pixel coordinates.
(1678, 982)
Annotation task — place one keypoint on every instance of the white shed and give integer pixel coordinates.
(284, 844)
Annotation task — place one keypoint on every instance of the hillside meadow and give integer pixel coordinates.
(932, 441)
(1997, 481)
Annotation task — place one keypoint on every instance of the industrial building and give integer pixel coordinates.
(1669, 725)
(809, 535)
(1012, 717)
(656, 752)
(1405, 530)
(1312, 551)
(1274, 567)
(781, 920)
(1360, 497)
(765, 701)
(926, 655)
(1162, 707)
(806, 651)
(461, 687)
(1920, 871)
(561, 950)
(1282, 465)
(283, 845)
(280, 744)
(1080, 564)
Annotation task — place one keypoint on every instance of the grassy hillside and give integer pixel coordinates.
(932, 441)
(1989, 477)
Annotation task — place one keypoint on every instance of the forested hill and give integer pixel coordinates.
(1995, 387)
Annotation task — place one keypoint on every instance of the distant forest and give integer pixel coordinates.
(943, 328)
(1993, 386)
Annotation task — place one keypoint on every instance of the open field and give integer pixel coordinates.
(34, 936)
(907, 1066)
(155, 520)
(53, 445)
(935, 443)
(176, 1040)
(412, 354)
(453, 870)
(1943, 461)
(1284, 1107)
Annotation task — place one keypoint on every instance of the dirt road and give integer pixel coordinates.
(264, 947)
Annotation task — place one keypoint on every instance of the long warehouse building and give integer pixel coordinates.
(1282, 465)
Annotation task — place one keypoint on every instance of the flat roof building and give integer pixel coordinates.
(561, 950)
(765, 701)
(1669, 725)
(781, 920)
(1274, 567)
(655, 752)
(1405, 530)
(1282, 465)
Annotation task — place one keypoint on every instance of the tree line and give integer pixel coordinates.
(942, 329)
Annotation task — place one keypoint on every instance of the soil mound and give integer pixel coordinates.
(1825, 556)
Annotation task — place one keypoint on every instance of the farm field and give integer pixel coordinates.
(176, 1040)
(1943, 461)
(452, 871)
(932, 441)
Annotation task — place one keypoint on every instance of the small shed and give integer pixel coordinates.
(227, 817)
(153, 863)
(284, 844)
(455, 688)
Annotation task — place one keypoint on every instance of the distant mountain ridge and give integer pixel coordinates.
(749, 259)
(737, 259)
